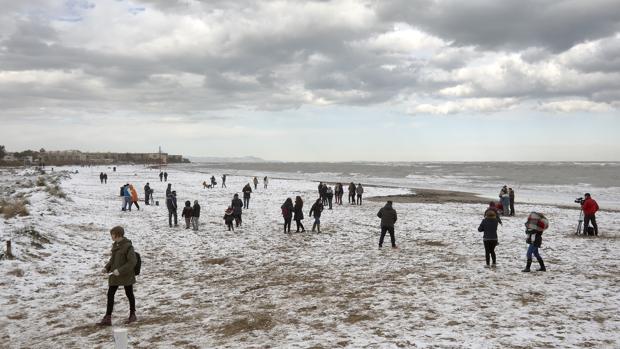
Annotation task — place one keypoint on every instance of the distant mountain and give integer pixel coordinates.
(222, 159)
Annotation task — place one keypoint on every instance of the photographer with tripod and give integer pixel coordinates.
(589, 207)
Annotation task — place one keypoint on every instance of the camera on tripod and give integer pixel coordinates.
(579, 201)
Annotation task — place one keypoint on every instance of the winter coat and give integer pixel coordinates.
(171, 202)
(298, 210)
(247, 190)
(122, 259)
(329, 193)
(287, 210)
(317, 208)
(492, 212)
(237, 206)
(589, 207)
(489, 227)
(388, 216)
(359, 190)
(126, 192)
(534, 237)
(187, 212)
(134, 193)
(196, 210)
(228, 218)
(147, 190)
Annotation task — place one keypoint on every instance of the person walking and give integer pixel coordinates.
(511, 195)
(315, 211)
(255, 182)
(247, 192)
(489, 238)
(229, 217)
(171, 204)
(224, 181)
(101, 177)
(359, 190)
(590, 207)
(187, 213)
(265, 182)
(105, 178)
(237, 206)
(534, 227)
(287, 212)
(161, 176)
(388, 218)
(134, 197)
(147, 194)
(195, 215)
(299, 213)
(165, 176)
(120, 268)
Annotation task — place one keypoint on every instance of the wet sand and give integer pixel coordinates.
(433, 196)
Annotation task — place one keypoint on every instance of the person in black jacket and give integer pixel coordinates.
(287, 213)
(187, 213)
(247, 191)
(161, 176)
(388, 219)
(147, 194)
(171, 204)
(237, 206)
(299, 213)
(101, 177)
(195, 215)
(352, 193)
(489, 238)
(315, 211)
(165, 176)
(105, 178)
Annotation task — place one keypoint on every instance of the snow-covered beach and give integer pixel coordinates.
(258, 287)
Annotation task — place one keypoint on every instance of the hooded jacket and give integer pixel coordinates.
(122, 259)
(489, 227)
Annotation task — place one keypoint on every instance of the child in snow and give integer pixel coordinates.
(534, 227)
(489, 238)
(229, 218)
(187, 213)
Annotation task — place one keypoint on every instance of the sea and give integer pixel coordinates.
(558, 183)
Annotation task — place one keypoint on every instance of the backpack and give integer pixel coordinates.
(136, 268)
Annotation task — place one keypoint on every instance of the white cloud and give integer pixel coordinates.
(477, 105)
(572, 106)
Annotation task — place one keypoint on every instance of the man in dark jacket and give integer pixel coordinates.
(195, 215)
(511, 195)
(247, 191)
(352, 193)
(161, 176)
(121, 273)
(388, 218)
(589, 207)
(147, 194)
(171, 204)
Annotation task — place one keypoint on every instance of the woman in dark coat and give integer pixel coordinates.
(287, 213)
(237, 206)
(299, 213)
(121, 273)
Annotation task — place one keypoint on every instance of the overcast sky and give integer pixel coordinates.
(394, 80)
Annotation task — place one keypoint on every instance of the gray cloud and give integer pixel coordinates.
(185, 57)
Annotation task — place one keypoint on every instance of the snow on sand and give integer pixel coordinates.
(258, 287)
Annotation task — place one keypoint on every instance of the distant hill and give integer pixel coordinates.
(222, 159)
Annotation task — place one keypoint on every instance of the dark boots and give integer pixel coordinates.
(106, 321)
(132, 318)
(542, 264)
(527, 266)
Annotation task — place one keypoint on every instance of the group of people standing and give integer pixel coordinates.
(327, 194)
(103, 177)
(507, 201)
